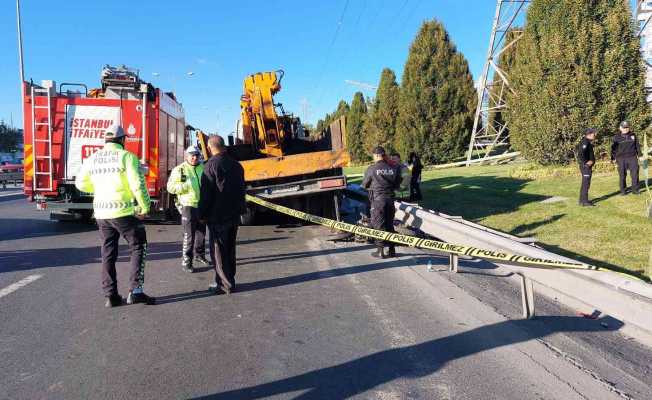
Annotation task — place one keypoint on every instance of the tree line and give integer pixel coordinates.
(576, 65)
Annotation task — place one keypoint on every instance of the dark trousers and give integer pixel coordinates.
(222, 242)
(194, 233)
(587, 173)
(133, 231)
(382, 217)
(415, 189)
(628, 164)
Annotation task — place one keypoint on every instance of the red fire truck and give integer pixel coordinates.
(65, 125)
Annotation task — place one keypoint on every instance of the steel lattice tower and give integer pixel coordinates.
(491, 93)
(643, 14)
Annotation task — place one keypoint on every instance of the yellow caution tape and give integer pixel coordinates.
(422, 243)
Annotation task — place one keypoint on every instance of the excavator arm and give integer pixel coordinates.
(260, 122)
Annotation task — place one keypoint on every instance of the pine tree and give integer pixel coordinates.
(355, 129)
(9, 138)
(437, 98)
(578, 65)
(382, 115)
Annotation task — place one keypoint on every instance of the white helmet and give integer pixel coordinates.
(114, 131)
(193, 150)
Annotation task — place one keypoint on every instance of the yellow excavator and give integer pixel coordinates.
(281, 161)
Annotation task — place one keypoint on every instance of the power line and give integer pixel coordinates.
(409, 15)
(328, 52)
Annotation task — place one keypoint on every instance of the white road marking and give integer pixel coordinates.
(10, 194)
(15, 286)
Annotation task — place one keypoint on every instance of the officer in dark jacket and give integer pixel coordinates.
(381, 180)
(586, 159)
(221, 202)
(625, 150)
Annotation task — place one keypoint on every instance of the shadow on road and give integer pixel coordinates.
(25, 228)
(10, 197)
(363, 374)
(307, 277)
(252, 241)
(301, 254)
(21, 260)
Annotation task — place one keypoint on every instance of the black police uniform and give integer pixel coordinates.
(585, 154)
(381, 180)
(625, 150)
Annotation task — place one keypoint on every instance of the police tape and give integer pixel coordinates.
(422, 243)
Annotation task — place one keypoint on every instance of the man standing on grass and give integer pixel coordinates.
(221, 202)
(586, 160)
(625, 150)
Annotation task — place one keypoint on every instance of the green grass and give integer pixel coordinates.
(616, 234)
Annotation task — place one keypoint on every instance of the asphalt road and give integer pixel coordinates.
(311, 320)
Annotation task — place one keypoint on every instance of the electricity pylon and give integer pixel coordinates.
(489, 134)
(643, 15)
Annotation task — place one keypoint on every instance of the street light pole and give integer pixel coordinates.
(20, 45)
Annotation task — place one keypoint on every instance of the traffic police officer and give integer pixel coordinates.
(381, 180)
(625, 149)
(185, 182)
(586, 160)
(120, 204)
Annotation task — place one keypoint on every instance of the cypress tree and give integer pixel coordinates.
(355, 129)
(577, 65)
(437, 99)
(382, 115)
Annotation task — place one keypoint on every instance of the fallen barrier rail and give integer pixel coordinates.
(422, 243)
(454, 251)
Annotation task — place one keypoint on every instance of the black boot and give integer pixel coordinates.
(140, 297)
(113, 301)
(391, 252)
(379, 253)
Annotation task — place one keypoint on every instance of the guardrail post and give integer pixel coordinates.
(527, 296)
(453, 262)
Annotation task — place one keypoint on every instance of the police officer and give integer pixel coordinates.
(381, 180)
(185, 182)
(626, 150)
(120, 204)
(404, 171)
(586, 160)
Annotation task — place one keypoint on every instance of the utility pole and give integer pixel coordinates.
(20, 51)
(643, 14)
(491, 94)
(305, 106)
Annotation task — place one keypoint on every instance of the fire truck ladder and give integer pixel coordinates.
(36, 124)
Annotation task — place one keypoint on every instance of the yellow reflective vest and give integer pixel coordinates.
(113, 176)
(185, 182)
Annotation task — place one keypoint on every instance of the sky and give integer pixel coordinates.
(319, 45)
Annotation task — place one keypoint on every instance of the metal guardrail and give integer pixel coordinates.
(456, 230)
(6, 177)
(454, 249)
